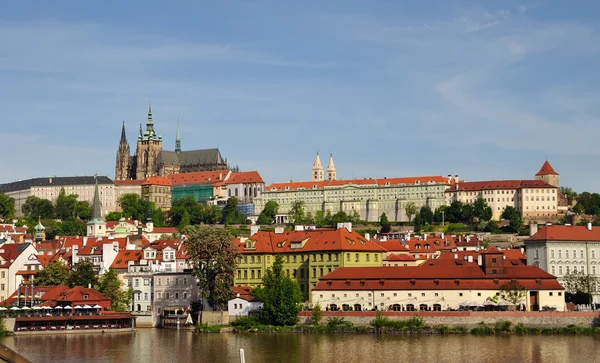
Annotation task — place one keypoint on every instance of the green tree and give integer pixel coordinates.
(482, 211)
(56, 273)
(83, 210)
(212, 214)
(317, 314)
(579, 209)
(386, 227)
(113, 216)
(514, 217)
(267, 216)
(186, 204)
(66, 205)
(35, 207)
(418, 222)
(339, 217)
(580, 283)
(231, 215)
(111, 286)
(212, 256)
(83, 274)
(71, 228)
(513, 292)
(135, 207)
(569, 193)
(426, 215)
(185, 220)
(296, 214)
(282, 297)
(454, 212)
(158, 217)
(320, 218)
(7, 207)
(411, 209)
(440, 214)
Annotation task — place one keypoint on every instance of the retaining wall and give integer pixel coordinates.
(214, 317)
(468, 318)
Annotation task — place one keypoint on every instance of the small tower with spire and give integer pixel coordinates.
(331, 174)
(178, 140)
(548, 174)
(40, 235)
(149, 146)
(96, 227)
(317, 170)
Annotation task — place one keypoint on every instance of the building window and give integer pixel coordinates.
(551, 253)
(551, 293)
(559, 253)
(460, 294)
(553, 270)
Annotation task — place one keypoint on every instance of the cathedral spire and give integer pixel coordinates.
(96, 206)
(150, 133)
(317, 169)
(123, 135)
(177, 140)
(141, 135)
(331, 174)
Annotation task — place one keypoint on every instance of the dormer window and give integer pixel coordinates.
(85, 296)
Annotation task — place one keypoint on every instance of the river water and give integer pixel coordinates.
(163, 345)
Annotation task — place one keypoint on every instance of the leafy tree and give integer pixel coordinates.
(482, 211)
(418, 222)
(83, 210)
(113, 216)
(185, 220)
(320, 218)
(590, 202)
(440, 214)
(269, 212)
(514, 216)
(212, 257)
(384, 223)
(111, 286)
(339, 217)
(569, 193)
(411, 209)
(211, 214)
(158, 217)
(71, 228)
(296, 214)
(35, 207)
(513, 292)
(580, 283)
(186, 204)
(579, 209)
(317, 314)
(492, 226)
(66, 206)
(282, 297)
(56, 273)
(7, 207)
(135, 207)
(467, 214)
(355, 217)
(426, 215)
(83, 274)
(230, 213)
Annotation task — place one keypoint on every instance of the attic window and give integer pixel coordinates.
(496, 281)
(347, 282)
(85, 296)
(381, 282)
(436, 282)
(328, 282)
(296, 245)
(362, 282)
(457, 282)
(413, 282)
(280, 244)
(287, 188)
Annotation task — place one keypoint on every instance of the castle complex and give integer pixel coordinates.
(151, 160)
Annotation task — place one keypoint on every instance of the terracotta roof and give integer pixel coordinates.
(201, 177)
(546, 169)
(129, 182)
(498, 184)
(371, 182)
(566, 233)
(317, 240)
(427, 277)
(392, 245)
(123, 258)
(243, 292)
(165, 230)
(396, 257)
(10, 251)
(244, 177)
(157, 180)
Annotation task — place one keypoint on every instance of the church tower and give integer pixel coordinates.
(331, 174)
(96, 227)
(178, 140)
(149, 146)
(122, 169)
(317, 169)
(548, 174)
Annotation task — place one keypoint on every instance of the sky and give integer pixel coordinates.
(480, 89)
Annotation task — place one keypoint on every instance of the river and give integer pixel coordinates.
(162, 345)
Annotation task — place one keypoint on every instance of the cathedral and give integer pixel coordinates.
(150, 159)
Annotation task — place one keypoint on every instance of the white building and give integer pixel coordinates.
(242, 303)
(15, 257)
(560, 250)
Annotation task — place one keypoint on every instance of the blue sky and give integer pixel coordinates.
(485, 90)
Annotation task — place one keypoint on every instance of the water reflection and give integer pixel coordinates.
(153, 345)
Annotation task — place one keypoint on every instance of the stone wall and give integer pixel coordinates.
(9, 324)
(214, 317)
(469, 318)
(144, 321)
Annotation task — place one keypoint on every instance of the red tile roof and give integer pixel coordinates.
(427, 277)
(244, 177)
(396, 257)
(498, 184)
(314, 241)
(372, 182)
(123, 258)
(566, 233)
(165, 230)
(546, 169)
(201, 177)
(10, 251)
(392, 245)
(157, 180)
(243, 292)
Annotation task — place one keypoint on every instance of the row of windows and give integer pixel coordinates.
(172, 295)
(303, 258)
(171, 281)
(568, 269)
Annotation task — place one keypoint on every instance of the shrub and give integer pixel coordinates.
(317, 314)
(205, 328)
(339, 323)
(502, 326)
(245, 322)
(415, 322)
(482, 330)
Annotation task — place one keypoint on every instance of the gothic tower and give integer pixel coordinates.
(331, 174)
(548, 174)
(178, 140)
(96, 227)
(317, 169)
(149, 146)
(122, 171)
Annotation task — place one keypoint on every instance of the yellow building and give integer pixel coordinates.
(308, 254)
(157, 190)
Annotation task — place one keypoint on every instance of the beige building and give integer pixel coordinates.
(157, 190)
(127, 187)
(49, 188)
(534, 199)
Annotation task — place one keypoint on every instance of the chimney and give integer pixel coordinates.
(449, 179)
(89, 286)
(367, 236)
(442, 235)
(589, 226)
(278, 230)
(479, 260)
(456, 256)
(470, 259)
(254, 229)
(424, 236)
(456, 179)
(298, 228)
(533, 229)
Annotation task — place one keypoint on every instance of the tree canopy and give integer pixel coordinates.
(410, 209)
(580, 283)
(386, 227)
(111, 286)
(231, 215)
(83, 274)
(7, 206)
(135, 207)
(56, 273)
(267, 216)
(35, 207)
(212, 256)
(513, 292)
(511, 214)
(281, 295)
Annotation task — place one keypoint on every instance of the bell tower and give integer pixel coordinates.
(331, 173)
(149, 146)
(317, 169)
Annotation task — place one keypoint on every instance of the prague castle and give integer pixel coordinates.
(150, 159)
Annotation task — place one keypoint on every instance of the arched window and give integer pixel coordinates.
(423, 307)
(410, 307)
(437, 307)
(396, 307)
(236, 192)
(357, 307)
(346, 307)
(333, 307)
